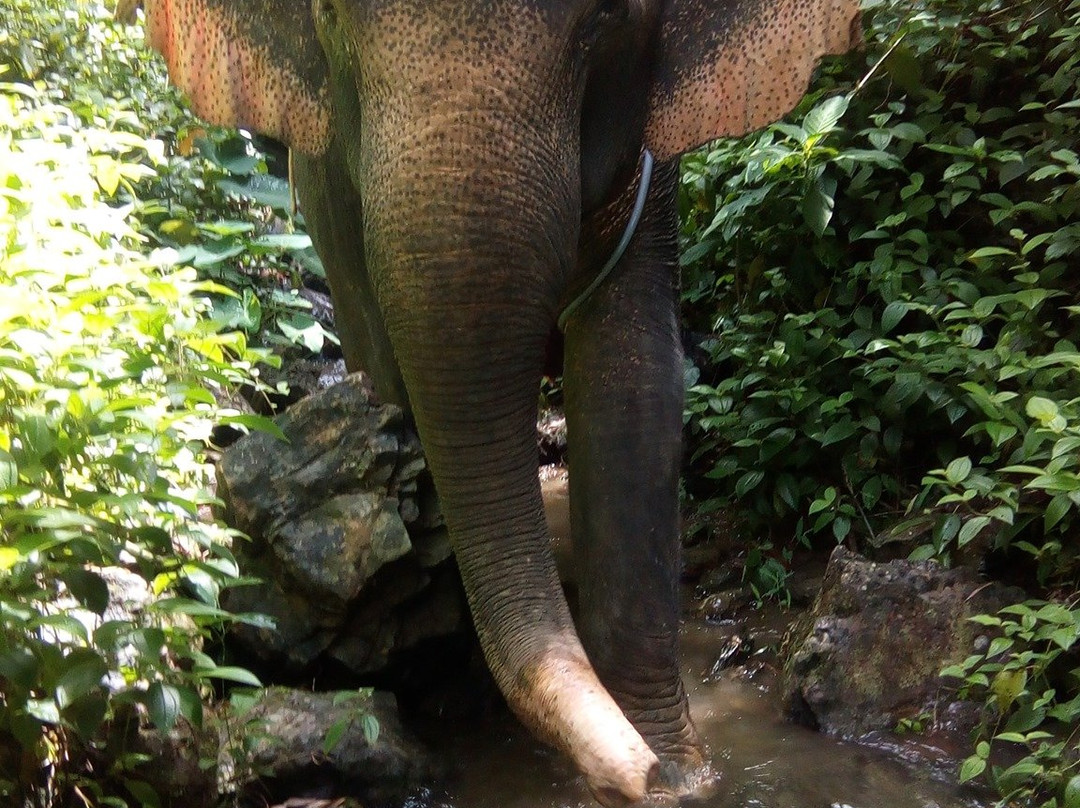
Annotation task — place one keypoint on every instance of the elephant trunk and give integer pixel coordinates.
(469, 245)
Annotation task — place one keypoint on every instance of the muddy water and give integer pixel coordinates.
(764, 761)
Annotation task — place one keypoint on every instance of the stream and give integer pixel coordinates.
(764, 761)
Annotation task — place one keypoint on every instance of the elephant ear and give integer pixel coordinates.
(255, 64)
(727, 67)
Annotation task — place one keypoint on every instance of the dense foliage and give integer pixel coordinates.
(210, 196)
(883, 294)
(884, 291)
(878, 289)
(114, 357)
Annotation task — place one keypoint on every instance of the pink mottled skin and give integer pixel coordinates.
(466, 167)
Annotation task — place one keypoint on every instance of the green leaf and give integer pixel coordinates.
(44, 710)
(20, 667)
(906, 130)
(265, 189)
(144, 793)
(191, 706)
(1056, 510)
(923, 552)
(749, 481)
(971, 528)
(1011, 737)
(988, 252)
(999, 433)
(823, 118)
(259, 423)
(88, 588)
(9, 471)
(958, 470)
(79, 681)
(63, 624)
(163, 703)
(232, 674)
(9, 557)
(972, 768)
(818, 203)
(956, 169)
(1071, 795)
(370, 724)
(839, 431)
(334, 734)
(284, 241)
(87, 714)
(893, 314)
(1025, 719)
(1042, 409)
(1006, 686)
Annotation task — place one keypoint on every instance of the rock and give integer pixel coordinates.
(295, 380)
(345, 534)
(870, 652)
(179, 765)
(300, 744)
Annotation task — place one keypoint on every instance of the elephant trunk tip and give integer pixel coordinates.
(582, 718)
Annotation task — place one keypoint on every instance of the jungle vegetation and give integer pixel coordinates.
(881, 308)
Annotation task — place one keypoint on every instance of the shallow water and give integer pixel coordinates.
(763, 760)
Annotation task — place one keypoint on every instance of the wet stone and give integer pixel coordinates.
(304, 744)
(870, 651)
(345, 534)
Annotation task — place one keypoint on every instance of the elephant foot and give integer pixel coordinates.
(673, 784)
(684, 780)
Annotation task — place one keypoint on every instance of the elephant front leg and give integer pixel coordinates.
(624, 394)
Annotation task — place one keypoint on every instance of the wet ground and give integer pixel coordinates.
(764, 760)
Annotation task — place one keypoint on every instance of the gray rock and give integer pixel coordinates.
(871, 649)
(333, 549)
(339, 443)
(345, 532)
(298, 743)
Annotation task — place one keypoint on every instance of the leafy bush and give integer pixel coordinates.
(1020, 676)
(107, 366)
(210, 197)
(886, 320)
(881, 292)
(112, 360)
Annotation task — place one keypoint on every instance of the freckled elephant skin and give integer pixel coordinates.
(467, 167)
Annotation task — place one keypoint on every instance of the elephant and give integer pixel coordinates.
(479, 176)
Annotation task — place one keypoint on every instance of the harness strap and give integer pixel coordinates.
(624, 242)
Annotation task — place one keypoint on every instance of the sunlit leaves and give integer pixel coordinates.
(107, 401)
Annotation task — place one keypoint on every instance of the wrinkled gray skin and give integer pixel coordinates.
(465, 167)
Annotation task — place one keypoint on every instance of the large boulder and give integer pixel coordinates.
(346, 536)
(879, 633)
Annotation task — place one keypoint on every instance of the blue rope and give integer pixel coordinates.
(624, 242)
